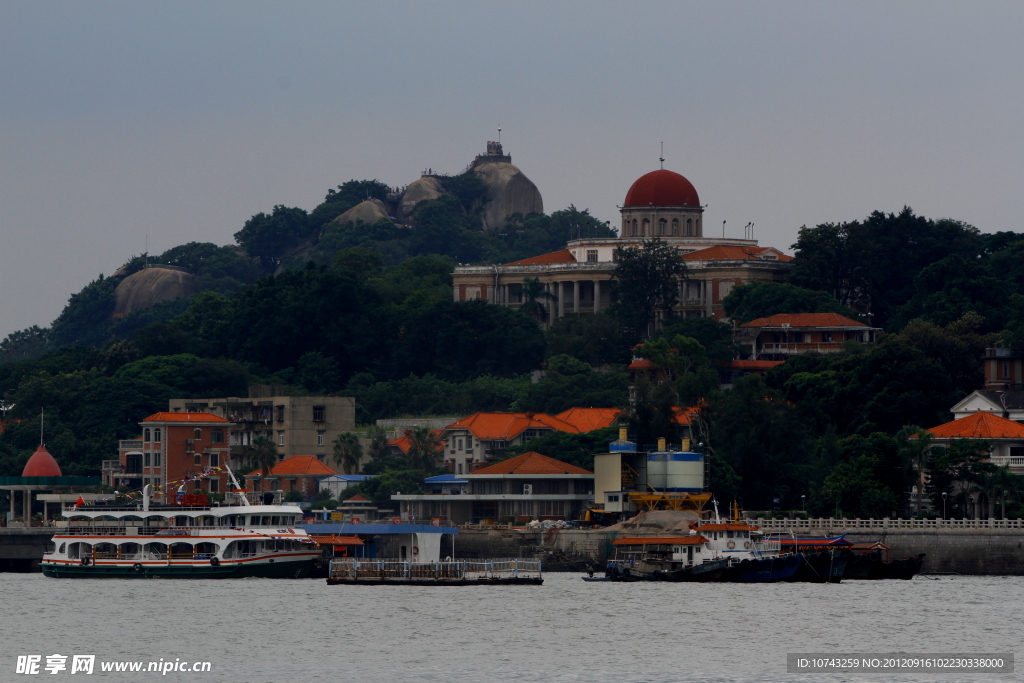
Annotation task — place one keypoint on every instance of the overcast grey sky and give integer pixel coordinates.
(179, 120)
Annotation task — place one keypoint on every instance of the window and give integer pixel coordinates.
(156, 435)
(798, 337)
(214, 485)
(591, 255)
(156, 459)
(661, 226)
(319, 438)
(214, 459)
(280, 413)
(318, 414)
(460, 468)
(217, 436)
(1016, 451)
(645, 227)
(613, 498)
(145, 436)
(145, 460)
(689, 227)
(280, 438)
(1006, 369)
(826, 336)
(634, 227)
(199, 433)
(199, 459)
(675, 226)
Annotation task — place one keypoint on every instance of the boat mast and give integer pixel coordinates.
(241, 494)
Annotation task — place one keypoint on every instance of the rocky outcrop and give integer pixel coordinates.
(369, 212)
(151, 286)
(509, 191)
(422, 190)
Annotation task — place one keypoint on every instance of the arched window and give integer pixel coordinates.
(689, 227)
(199, 433)
(156, 435)
(661, 226)
(645, 227)
(675, 226)
(634, 227)
(145, 436)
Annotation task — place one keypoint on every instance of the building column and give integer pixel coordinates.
(597, 296)
(28, 507)
(576, 296)
(561, 299)
(708, 291)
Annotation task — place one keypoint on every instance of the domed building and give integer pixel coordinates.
(661, 204)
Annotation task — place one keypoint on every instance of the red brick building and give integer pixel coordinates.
(172, 447)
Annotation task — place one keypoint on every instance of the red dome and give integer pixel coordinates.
(41, 464)
(662, 188)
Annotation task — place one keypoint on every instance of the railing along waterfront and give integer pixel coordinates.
(884, 523)
(355, 568)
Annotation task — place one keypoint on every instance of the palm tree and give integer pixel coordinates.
(378, 442)
(348, 452)
(532, 291)
(916, 446)
(262, 454)
(424, 449)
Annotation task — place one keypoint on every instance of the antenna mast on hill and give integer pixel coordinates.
(662, 157)
(42, 419)
(499, 132)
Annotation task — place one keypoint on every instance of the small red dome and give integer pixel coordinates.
(662, 188)
(41, 464)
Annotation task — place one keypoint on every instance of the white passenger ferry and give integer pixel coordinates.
(193, 539)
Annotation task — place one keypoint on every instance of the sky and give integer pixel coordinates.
(124, 124)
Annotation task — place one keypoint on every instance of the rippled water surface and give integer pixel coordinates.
(260, 630)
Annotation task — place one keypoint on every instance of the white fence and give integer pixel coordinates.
(885, 523)
(355, 568)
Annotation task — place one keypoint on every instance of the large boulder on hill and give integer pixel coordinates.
(151, 286)
(369, 212)
(422, 190)
(509, 191)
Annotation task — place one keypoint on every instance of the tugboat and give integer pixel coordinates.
(822, 560)
(752, 558)
(190, 539)
(665, 558)
(871, 561)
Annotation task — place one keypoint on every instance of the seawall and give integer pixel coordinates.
(964, 551)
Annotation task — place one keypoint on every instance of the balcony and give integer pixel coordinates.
(794, 349)
(130, 445)
(112, 467)
(1015, 462)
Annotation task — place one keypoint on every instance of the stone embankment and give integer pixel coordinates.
(978, 551)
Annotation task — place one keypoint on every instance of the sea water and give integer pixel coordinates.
(267, 630)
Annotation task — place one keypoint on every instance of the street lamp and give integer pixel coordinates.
(802, 506)
(944, 505)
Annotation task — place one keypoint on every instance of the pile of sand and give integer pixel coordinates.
(657, 523)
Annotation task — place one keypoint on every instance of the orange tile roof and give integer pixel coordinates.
(805, 320)
(589, 419)
(184, 417)
(980, 425)
(531, 463)
(641, 364)
(404, 443)
(302, 465)
(358, 498)
(732, 253)
(684, 416)
(560, 256)
(506, 426)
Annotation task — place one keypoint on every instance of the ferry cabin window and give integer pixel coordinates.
(63, 547)
(728, 534)
(156, 435)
